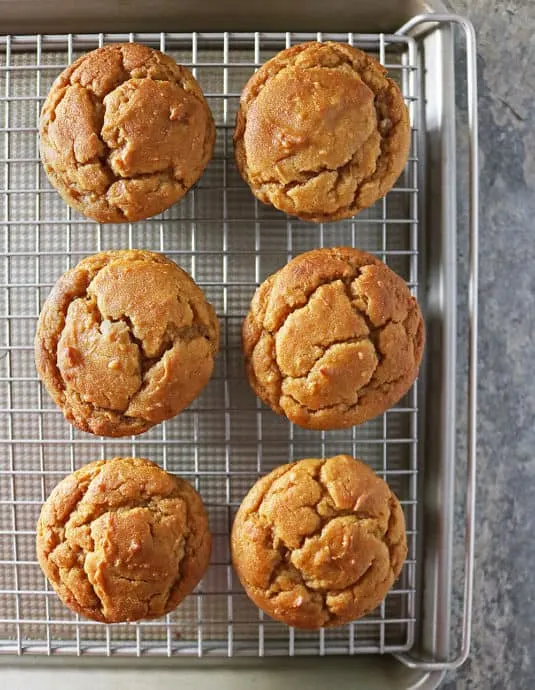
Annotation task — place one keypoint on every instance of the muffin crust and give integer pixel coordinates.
(321, 132)
(122, 540)
(319, 542)
(125, 132)
(125, 340)
(332, 339)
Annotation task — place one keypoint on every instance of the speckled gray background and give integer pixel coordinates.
(503, 648)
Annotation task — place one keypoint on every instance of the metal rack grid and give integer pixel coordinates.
(226, 439)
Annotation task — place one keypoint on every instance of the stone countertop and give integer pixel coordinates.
(503, 654)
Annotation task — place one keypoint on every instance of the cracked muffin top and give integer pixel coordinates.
(125, 132)
(122, 540)
(319, 542)
(321, 132)
(125, 340)
(332, 339)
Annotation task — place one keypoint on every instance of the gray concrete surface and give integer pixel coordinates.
(503, 650)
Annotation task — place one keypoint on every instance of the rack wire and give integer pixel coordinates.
(226, 439)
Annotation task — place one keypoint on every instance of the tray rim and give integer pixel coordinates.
(436, 675)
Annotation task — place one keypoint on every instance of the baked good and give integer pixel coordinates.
(125, 340)
(319, 542)
(321, 132)
(332, 339)
(122, 539)
(125, 132)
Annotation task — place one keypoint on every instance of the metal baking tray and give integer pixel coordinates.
(226, 439)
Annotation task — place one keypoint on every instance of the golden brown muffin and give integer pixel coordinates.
(122, 540)
(332, 339)
(125, 340)
(125, 132)
(321, 132)
(319, 542)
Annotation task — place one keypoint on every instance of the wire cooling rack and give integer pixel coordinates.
(226, 439)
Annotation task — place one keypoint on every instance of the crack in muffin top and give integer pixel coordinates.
(332, 339)
(319, 542)
(122, 540)
(125, 340)
(125, 132)
(321, 132)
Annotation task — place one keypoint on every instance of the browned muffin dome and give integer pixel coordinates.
(122, 540)
(125, 340)
(125, 132)
(319, 542)
(321, 132)
(332, 339)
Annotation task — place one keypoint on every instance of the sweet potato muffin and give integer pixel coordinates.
(121, 540)
(321, 132)
(319, 542)
(332, 339)
(125, 340)
(125, 132)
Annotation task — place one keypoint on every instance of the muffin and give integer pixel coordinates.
(125, 340)
(122, 540)
(332, 339)
(319, 542)
(125, 132)
(321, 132)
